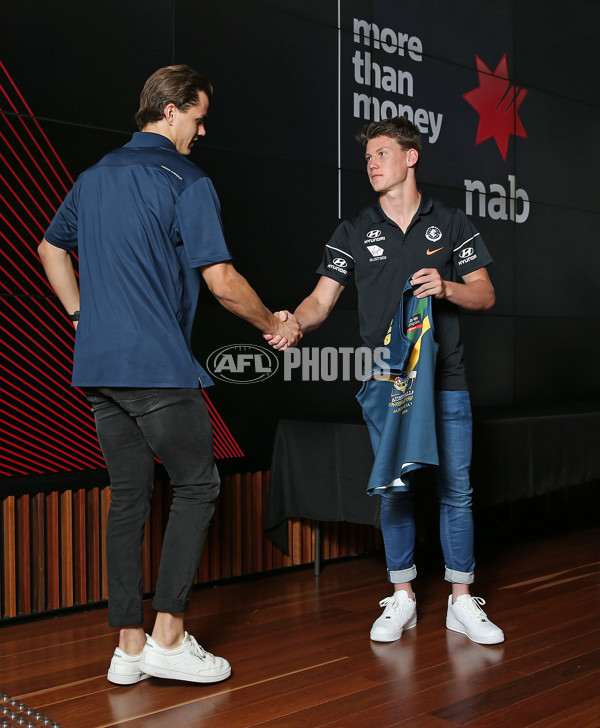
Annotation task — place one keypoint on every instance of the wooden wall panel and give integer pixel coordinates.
(52, 551)
(9, 572)
(23, 556)
(53, 544)
(256, 516)
(235, 523)
(247, 532)
(38, 553)
(67, 588)
(80, 556)
(93, 544)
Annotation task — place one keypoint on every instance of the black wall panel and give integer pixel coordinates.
(556, 360)
(85, 63)
(556, 48)
(275, 78)
(556, 271)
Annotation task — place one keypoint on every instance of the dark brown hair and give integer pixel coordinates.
(179, 85)
(399, 128)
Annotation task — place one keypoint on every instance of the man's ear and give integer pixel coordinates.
(169, 113)
(412, 157)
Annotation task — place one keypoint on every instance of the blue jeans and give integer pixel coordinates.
(134, 426)
(454, 429)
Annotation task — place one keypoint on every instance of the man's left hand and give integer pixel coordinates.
(428, 282)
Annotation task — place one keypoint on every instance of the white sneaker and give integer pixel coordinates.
(186, 662)
(125, 669)
(467, 617)
(400, 613)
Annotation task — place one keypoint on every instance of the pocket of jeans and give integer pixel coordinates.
(137, 401)
(93, 399)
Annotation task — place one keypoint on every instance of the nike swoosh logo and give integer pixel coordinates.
(431, 252)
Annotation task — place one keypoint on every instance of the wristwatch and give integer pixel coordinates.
(74, 316)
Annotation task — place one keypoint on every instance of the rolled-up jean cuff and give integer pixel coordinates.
(400, 577)
(459, 577)
(175, 606)
(134, 619)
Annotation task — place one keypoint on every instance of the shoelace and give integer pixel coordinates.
(396, 606)
(198, 649)
(474, 605)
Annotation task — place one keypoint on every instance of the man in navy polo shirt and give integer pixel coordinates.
(146, 224)
(405, 235)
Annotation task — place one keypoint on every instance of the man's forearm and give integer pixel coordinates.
(61, 276)
(316, 307)
(242, 300)
(475, 296)
(235, 294)
(311, 314)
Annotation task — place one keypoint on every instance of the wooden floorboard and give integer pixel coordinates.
(301, 655)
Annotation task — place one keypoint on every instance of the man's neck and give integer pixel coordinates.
(159, 127)
(401, 205)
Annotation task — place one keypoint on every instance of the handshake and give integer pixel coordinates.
(286, 331)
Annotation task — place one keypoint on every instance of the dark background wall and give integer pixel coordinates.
(289, 76)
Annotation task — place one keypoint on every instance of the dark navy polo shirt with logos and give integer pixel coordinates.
(143, 220)
(373, 250)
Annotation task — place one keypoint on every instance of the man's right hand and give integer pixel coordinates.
(286, 332)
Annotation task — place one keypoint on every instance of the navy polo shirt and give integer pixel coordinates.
(143, 220)
(374, 252)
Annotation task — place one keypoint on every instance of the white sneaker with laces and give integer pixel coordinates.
(125, 668)
(400, 613)
(467, 617)
(189, 662)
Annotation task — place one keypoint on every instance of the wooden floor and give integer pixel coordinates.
(301, 655)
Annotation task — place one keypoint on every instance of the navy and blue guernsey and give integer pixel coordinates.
(143, 220)
(399, 402)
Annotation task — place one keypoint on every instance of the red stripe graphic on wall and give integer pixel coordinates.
(45, 424)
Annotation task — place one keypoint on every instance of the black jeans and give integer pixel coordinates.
(133, 426)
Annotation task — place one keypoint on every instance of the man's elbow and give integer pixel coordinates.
(48, 252)
(42, 249)
(222, 280)
(222, 292)
(489, 300)
(223, 287)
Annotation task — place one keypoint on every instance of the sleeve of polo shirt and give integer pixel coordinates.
(469, 252)
(337, 262)
(199, 216)
(62, 232)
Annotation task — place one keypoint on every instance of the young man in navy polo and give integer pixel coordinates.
(146, 224)
(405, 235)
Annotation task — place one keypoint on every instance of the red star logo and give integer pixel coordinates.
(497, 101)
